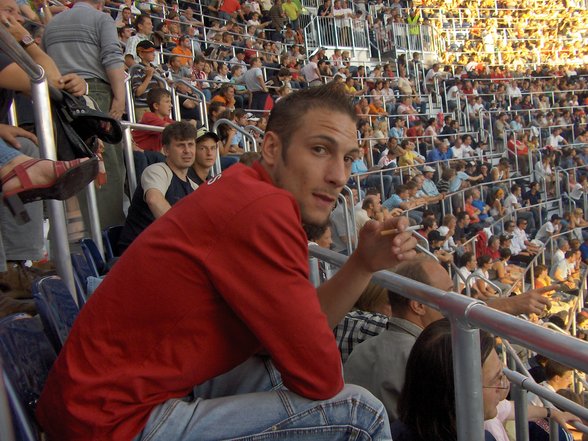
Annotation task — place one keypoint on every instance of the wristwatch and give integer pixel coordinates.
(26, 41)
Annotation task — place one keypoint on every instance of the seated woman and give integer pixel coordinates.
(495, 200)
(507, 275)
(560, 301)
(484, 289)
(427, 407)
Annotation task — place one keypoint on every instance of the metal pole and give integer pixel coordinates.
(315, 276)
(6, 430)
(469, 408)
(95, 230)
(519, 396)
(129, 159)
(59, 238)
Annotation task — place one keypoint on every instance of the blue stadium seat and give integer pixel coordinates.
(56, 307)
(15, 424)
(111, 235)
(27, 357)
(82, 270)
(93, 256)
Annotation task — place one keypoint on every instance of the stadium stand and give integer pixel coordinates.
(472, 124)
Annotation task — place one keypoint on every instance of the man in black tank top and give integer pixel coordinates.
(162, 184)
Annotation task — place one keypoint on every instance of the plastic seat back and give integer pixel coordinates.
(93, 256)
(15, 424)
(56, 307)
(27, 357)
(111, 235)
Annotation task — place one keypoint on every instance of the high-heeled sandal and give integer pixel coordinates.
(70, 177)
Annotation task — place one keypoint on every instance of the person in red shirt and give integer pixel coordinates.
(219, 280)
(228, 9)
(160, 105)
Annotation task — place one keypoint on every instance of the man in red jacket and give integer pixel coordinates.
(219, 279)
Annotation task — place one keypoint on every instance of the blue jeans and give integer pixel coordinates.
(7, 153)
(251, 403)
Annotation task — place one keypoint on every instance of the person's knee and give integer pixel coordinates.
(28, 147)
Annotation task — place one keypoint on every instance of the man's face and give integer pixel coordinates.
(439, 278)
(126, 14)
(180, 153)
(494, 384)
(317, 162)
(146, 56)
(127, 33)
(146, 27)
(206, 153)
(10, 8)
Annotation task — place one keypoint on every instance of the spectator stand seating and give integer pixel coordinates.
(83, 269)
(56, 307)
(27, 356)
(110, 237)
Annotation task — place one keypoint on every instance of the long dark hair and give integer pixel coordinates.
(427, 401)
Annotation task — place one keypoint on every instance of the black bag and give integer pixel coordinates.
(78, 126)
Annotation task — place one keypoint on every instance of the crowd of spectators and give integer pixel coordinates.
(472, 178)
(496, 31)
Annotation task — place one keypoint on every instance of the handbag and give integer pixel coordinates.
(78, 125)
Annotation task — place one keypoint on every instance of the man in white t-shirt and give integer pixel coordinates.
(549, 228)
(511, 204)
(555, 140)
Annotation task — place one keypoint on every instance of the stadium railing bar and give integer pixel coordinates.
(467, 316)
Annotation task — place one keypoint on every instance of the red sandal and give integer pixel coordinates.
(70, 178)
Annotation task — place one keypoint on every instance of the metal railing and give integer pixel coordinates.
(467, 316)
(44, 128)
(336, 33)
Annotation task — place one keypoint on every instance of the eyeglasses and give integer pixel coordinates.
(500, 383)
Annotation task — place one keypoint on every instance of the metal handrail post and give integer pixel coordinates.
(12, 116)
(6, 429)
(95, 230)
(469, 408)
(314, 272)
(519, 396)
(130, 101)
(129, 159)
(58, 231)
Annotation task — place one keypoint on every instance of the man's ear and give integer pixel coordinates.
(417, 307)
(271, 149)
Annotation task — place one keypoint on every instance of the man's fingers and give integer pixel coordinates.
(10, 139)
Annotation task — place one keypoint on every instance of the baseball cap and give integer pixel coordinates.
(427, 169)
(203, 131)
(146, 46)
(251, 117)
(435, 236)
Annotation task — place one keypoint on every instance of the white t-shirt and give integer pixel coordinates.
(554, 141)
(511, 203)
(158, 176)
(496, 425)
(517, 243)
(545, 231)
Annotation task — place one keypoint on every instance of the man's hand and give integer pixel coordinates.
(149, 71)
(563, 418)
(377, 252)
(73, 84)
(13, 26)
(117, 108)
(530, 302)
(10, 133)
